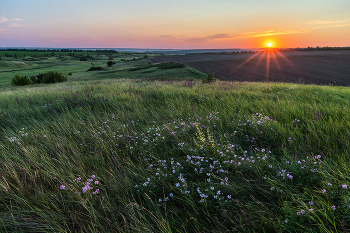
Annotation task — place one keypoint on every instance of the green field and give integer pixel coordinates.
(143, 147)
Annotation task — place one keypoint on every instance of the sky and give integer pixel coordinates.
(180, 24)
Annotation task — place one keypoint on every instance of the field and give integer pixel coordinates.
(149, 147)
(307, 67)
(29, 66)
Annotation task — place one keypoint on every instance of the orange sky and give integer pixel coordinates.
(179, 24)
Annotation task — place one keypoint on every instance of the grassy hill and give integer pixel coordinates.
(116, 152)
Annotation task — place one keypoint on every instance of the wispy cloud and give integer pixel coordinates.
(3, 20)
(17, 19)
(16, 25)
(266, 33)
(165, 36)
(206, 38)
(325, 22)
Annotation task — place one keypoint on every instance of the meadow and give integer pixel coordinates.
(144, 147)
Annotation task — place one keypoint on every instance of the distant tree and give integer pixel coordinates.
(109, 63)
(146, 56)
(16, 56)
(0, 57)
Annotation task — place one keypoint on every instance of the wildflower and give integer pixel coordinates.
(272, 188)
(290, 176)
(286, 221)
(229, 196)
(93, 176)
(96, 182)
(302, 211)
(62, 187)
(333, 207)
(270, 166)
(311, 210)
(171, 194)
(298, 213)
(329, 184)
(311, 203)
(212, 187)
(344, 186)
(323, 191)
(299, 162)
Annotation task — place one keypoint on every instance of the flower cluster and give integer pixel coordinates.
(88, 185)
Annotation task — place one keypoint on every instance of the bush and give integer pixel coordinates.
(210, 78)
(21, 81)
(95, 68)
(170, 65)
(109, 63)
(54, 77)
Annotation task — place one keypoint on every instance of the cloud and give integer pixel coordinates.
(266, 33)
(206, 38)
(15, 25)
(17, 19)
(165, 36)
(3, 20)
(317, 22)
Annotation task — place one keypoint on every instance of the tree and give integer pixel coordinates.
(109, 63)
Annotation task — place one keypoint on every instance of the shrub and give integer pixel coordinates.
(95, 68)
(34, 79)
(21, 81)
(170, 65)
(109, 63)
(54, 77)
(210, 78)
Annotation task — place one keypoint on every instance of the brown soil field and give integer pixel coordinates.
(309, 67)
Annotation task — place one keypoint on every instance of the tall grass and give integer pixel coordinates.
(174, 156)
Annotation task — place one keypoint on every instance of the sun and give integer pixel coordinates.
(269, 44)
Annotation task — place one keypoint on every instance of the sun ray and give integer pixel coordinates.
(267, 65)
(275, 59)
(286, 59)
(260, 60)
(256, 54)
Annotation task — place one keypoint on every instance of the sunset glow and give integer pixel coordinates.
(157, 24)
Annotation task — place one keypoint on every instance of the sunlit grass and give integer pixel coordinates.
(174, 156)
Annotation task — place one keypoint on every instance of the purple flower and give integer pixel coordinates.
(311, 203)
(311, 210)
(344, 186)
(62, 187)
(323, 191)
(93, 176)
(96, 182)
(302, 211)
(333, 207)
(298, 213)
(329, 184)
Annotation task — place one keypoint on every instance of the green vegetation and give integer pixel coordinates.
(161, 151)
(21, 81)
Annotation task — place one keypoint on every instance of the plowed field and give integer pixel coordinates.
(309, 67)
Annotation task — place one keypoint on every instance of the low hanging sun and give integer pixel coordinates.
(269, 45)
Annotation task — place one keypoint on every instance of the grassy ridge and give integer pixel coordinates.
(270, 151)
